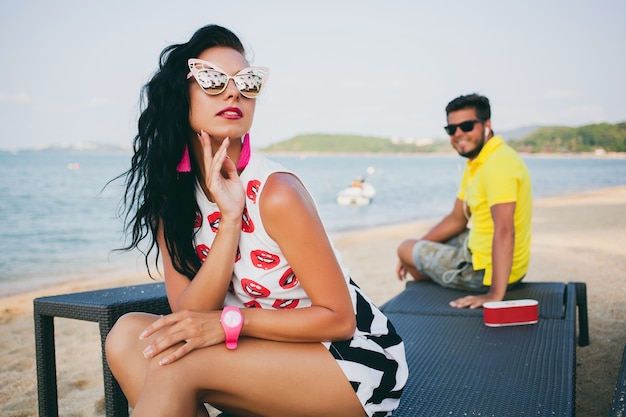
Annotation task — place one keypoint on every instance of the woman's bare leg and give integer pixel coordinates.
(124, 353)
(258, 378)
(125, 356)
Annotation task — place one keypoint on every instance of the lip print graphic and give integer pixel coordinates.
(288, 280)
(252, 304)
(254, 289)
(197, 222)
(214, 220)
(203, 251)
(253, 190)
(264, 260)
(285, 304)
(246, 222)
(237, 254)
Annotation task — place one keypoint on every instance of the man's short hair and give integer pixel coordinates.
(471, 101)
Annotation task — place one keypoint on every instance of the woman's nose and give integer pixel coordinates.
(231, 89)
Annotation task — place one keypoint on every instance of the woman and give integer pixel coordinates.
(265, 320)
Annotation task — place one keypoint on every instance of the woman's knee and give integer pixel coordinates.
(123, 338)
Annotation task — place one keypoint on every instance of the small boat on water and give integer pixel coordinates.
(359, 193)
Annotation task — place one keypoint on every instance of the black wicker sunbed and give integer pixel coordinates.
(618, 409)
(458, 366)
(103, 307)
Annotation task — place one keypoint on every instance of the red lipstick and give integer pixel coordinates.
(231, 113)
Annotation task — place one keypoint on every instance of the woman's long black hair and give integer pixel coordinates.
(156, 194)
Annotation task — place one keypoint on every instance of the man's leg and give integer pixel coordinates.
(409, 256)
(449, 264)
(406, 263)
(440, 262)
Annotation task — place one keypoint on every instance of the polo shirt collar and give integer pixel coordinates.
(487, 150)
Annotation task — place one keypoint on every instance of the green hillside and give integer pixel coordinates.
(328, 143)
(589, 138)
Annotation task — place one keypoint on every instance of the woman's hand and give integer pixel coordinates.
(189, 329)
(222, 179)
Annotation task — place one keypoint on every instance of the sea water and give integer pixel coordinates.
(58, 216)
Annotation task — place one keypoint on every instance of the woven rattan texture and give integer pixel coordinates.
(619, 400)
(430, 298)
(103, 307)
(460, 367)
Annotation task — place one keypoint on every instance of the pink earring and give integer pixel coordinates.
(244, 157)
(185, 164)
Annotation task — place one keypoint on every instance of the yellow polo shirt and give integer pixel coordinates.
(498, 175)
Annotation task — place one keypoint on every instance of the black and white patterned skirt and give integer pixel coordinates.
(373, 360)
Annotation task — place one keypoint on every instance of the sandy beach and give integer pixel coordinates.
(575, 238)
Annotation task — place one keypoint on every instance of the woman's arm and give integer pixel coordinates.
(291, 219)
(208, 288)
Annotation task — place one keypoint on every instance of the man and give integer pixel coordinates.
(495, 192)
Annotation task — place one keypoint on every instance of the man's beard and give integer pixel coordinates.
(474, 152)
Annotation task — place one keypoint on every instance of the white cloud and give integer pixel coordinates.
(96, 102)
(302, 83)
(561, 94)
(15, 98)
(590, 113)
(575, 115)
(373, 83)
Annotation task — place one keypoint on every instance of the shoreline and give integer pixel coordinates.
(578, 237)
(572, 155)
(121, 276)
(40, 287)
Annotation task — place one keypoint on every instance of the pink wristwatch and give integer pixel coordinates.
(232, 321)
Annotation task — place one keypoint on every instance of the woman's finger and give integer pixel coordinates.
(158, 325)
(175, 334)
(164, 342)
(207, 150)
(183, 331)
(218, 160)
(230, 168)
(163, 322)
(183, 350)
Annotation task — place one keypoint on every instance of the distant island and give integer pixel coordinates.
(596, 138)
(599, 139)
(79, 147)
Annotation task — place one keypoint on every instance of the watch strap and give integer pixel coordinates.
(231, 330)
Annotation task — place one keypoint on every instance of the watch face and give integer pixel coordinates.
(232, 318)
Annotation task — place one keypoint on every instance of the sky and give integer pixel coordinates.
(71, 71)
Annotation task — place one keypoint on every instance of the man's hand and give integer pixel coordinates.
(401, 271)
(473, 301)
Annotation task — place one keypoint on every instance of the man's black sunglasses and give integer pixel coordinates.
(467, 126)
